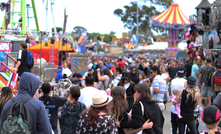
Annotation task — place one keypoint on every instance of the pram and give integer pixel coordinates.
(196, 115)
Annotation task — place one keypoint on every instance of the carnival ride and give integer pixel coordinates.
(173, 20)
(15, 29)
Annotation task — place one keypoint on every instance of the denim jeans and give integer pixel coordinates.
(55, 131)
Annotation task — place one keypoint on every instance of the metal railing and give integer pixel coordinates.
(10, 61)
(2, 63)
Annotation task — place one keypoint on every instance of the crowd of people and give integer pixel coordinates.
(122, 94)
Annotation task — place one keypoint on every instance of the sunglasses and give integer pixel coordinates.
(151, 72)
(134, 70)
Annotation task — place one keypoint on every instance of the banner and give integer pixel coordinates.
(79, 63)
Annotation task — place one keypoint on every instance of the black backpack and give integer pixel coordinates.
(17, 118)
(209, 77)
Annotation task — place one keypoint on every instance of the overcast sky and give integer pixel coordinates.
(94, 15)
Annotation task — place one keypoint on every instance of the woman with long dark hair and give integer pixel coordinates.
(105, 78)
(129, 87)
(70, 113)
(144, 109)
(51, 105)
(134, 75)
(97, 119)
(6, 95)
(118, 110)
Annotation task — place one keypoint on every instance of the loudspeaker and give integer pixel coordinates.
(52, 40)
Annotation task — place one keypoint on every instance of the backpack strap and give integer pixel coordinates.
(26, 99)
(142, 108)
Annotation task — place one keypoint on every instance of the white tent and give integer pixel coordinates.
(162, 46)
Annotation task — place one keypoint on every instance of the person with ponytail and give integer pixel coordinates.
(70, 113)
(211, 118)
(51, 105)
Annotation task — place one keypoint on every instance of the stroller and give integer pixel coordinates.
(196, 115)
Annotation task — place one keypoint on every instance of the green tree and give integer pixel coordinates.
(79, 30)
(58, 29)
(96, 36)
(128, 15)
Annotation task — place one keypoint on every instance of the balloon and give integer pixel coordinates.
(188, 34)
(191, 45)
(197, 58)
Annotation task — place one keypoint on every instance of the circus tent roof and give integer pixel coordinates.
(173, 15)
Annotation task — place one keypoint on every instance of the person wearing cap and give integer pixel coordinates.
(62, 88)
(189, 102)
(206, 90)
(211, 118)
(59, 74)
(97, 119)
(178, 83)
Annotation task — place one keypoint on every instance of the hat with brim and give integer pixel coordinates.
(101, 99)
(191, 81)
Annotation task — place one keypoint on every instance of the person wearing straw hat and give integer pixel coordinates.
(97, 119)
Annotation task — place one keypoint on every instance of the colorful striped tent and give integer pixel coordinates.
(172, 18)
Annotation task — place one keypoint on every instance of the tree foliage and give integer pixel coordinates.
(96, 36)
(128, 15)
(79, 30)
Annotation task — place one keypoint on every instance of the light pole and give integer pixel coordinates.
(102, 38)
(137, 24)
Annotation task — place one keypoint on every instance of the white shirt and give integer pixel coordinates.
(89, 66)
(164, 76)
(177, 83)
(86, 95)
(126, 86)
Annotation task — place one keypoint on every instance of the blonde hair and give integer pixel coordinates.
(211, 127)
(161, 67)
(190, 91)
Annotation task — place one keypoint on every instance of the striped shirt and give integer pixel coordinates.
(159, 83)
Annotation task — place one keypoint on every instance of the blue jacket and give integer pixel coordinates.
(58, 76)
(29, 84)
